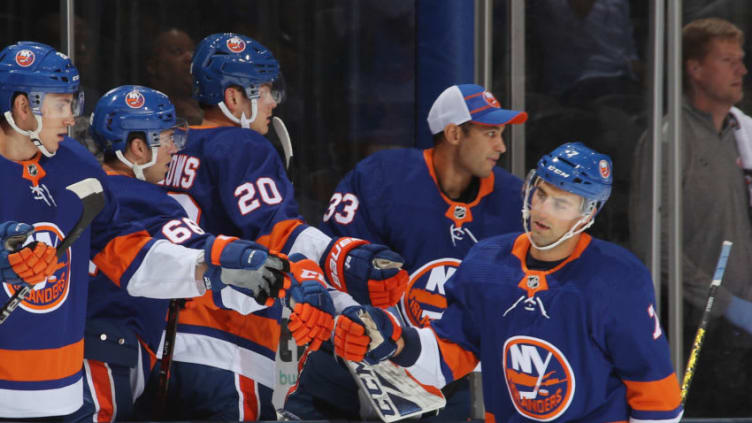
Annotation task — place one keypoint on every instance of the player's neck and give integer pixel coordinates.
(452, 180)
(119, 167)
(558, 253)
(215, 117)
(16, 147)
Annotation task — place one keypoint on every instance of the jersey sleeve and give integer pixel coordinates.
(353, 207)
(633, 337)
(254, 189)
(123, 249)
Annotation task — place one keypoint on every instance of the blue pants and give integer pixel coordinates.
(198, 392)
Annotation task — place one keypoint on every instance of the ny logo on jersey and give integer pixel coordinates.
(424, 298)
(539, 378)
(41, 192)
(458, 234)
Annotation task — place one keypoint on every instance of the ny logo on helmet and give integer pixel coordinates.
(135, 99)
(25, 58)
(235, 44)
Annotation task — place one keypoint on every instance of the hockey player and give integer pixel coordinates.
(564, 323)
(449, 197)
(235, 183)
(135, 128)
(41, 343)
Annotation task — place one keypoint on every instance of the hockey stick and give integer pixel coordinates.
(167, 351)
(694, 354)
(89, 190)
(390, 389)
(284, 139)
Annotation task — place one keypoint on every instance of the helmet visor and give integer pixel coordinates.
(275, 89)
(542, 196)
(177, 135)
(57, 105)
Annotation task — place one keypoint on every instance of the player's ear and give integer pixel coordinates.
(231, 98)
(21, 110)
(452, 134)
(138, 151)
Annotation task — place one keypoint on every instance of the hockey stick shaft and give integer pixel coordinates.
(167, 351)
(89, 191)
(694, 354)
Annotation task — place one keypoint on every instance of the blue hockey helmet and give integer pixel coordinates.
(228, 59)
(574, 168)
(133, 108)
(36, 69)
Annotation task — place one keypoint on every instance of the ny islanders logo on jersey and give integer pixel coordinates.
(135, 99)
(49, 295)
(425, 299)
(25, 58)
(235, 44)
(539, 378)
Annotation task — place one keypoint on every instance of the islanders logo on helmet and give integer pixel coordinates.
(539, 378)
(604, 168)
(424, 299)
(135, 100)
(25, 58)
(51, 294)
(235, 44)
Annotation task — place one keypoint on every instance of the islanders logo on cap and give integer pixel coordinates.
(539, 378)
(604, 168)
(49, 295)
(135, 99)
(235, 44)
(424, 299)
(491, 100)
(25, 58)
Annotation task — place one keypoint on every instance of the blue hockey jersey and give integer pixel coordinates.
(393, 198)
(41, 343)
(235, 184)
(580, 342)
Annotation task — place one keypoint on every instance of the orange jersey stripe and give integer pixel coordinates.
(39, 365)
(275, 240)
(460, 361)
(103, 391)
(248, 398)
(119, 253)
(257, 329)
(657, 395)
(490, 418)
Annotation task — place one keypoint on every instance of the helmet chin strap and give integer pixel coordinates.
(34, 135)
(138, 170)
(243, 121)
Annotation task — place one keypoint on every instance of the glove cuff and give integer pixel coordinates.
(333, 260)
(214, 246)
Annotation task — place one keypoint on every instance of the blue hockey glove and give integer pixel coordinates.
(370, 273)
(312, 317)
(245, 265)
(32, 264)
(365, 333)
